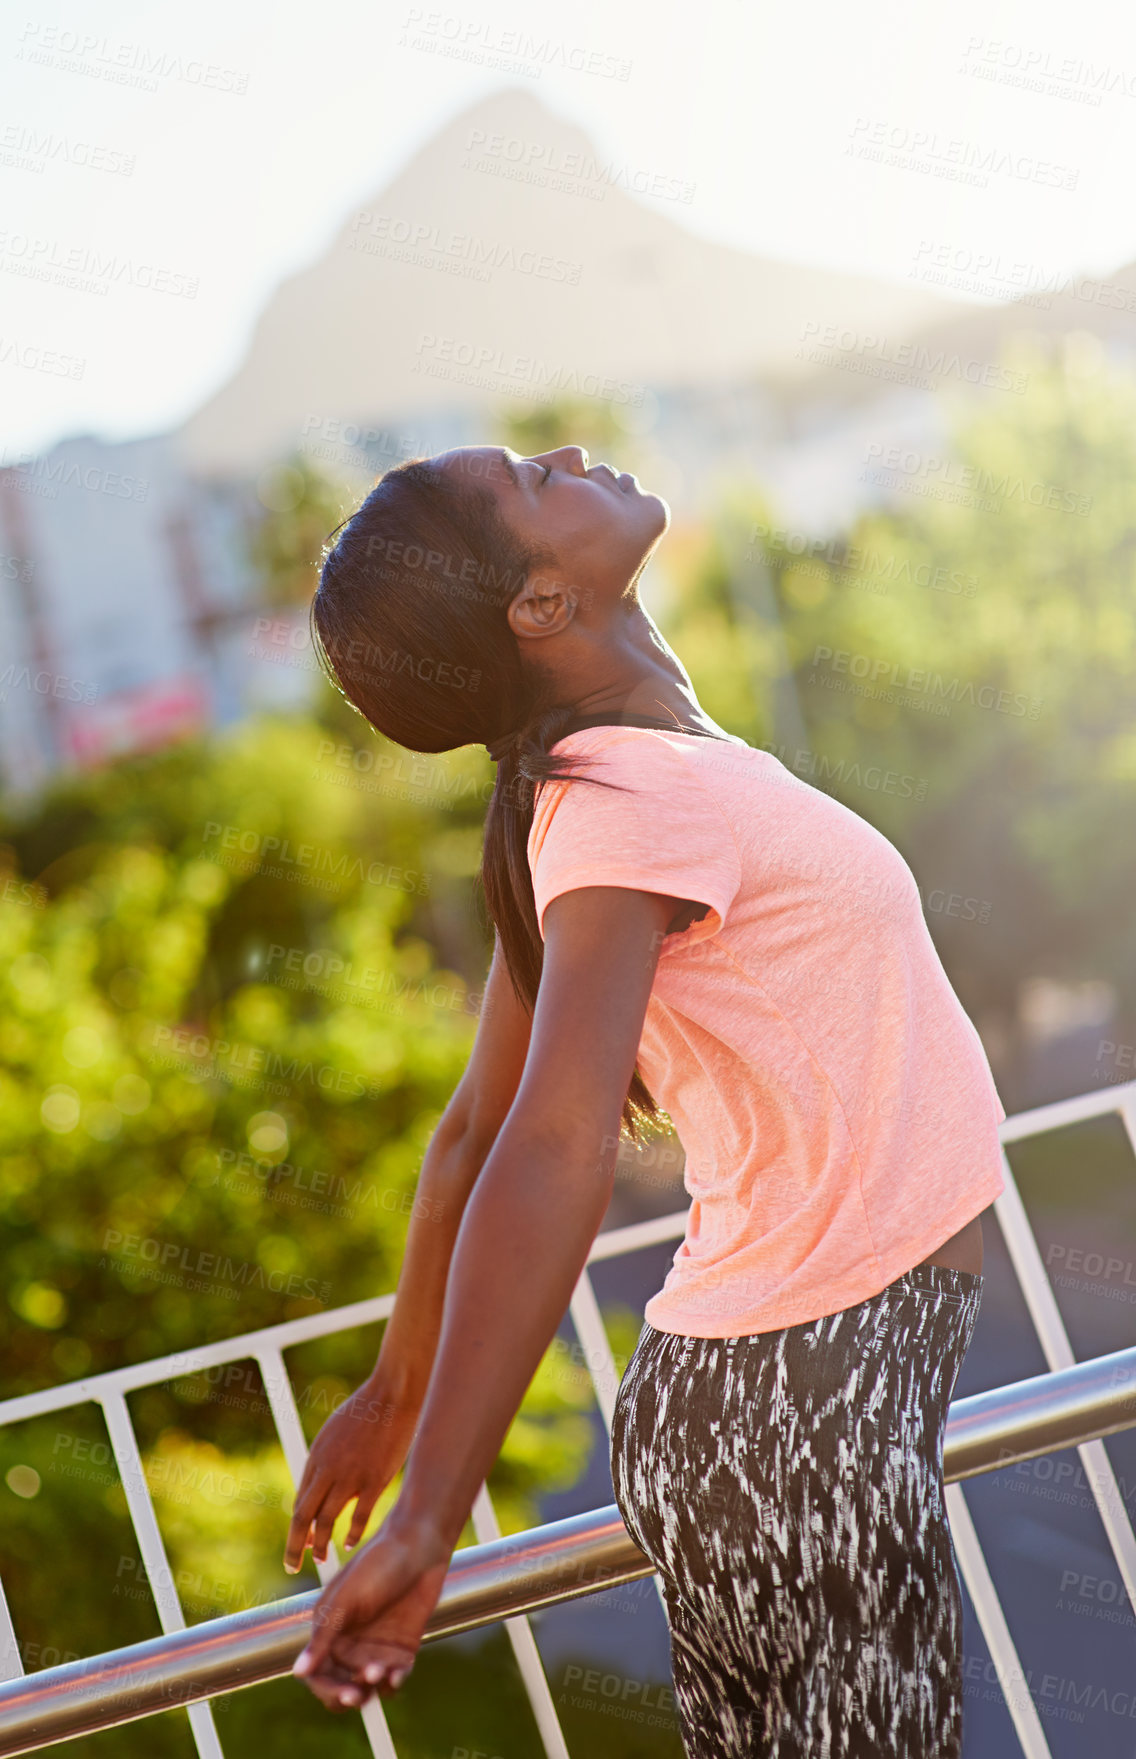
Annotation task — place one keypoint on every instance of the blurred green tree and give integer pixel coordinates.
(299, 505)
(562, 421)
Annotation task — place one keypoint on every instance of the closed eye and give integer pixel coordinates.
(545, 477)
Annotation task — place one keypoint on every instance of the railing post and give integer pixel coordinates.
(992, 1621)
(124, 1446)
(521, 1637)
(1021, 1242)
(286, 1416)
(11, 1661)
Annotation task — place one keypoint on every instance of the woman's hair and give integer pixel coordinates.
(409, 620)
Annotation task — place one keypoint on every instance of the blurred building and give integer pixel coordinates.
(128, 607)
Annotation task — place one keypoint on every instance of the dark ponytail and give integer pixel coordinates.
(409, 620)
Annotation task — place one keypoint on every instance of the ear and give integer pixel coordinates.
(544, 606)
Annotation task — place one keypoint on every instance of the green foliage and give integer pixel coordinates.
(227, 1031)
(530, 428)
(299, 509)
(235, 972)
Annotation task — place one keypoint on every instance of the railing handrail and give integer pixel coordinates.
(546, 1565)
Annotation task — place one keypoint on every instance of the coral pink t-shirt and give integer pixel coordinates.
(835, 1103)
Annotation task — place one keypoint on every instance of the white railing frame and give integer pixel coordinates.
(266, 1347)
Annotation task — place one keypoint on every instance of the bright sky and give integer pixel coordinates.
(272, 120)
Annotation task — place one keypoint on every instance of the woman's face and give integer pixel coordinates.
(600, 525)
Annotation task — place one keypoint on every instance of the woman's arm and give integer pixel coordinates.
(365, 1441)
(450, 1168)
(523, 1242)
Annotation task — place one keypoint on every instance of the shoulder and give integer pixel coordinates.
(625, 758)
(648, 758)
(658, 824)
(660, 779)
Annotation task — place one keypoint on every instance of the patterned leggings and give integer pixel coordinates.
(788, 1487)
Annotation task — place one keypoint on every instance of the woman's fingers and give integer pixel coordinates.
(314, 1521)
(364, 1506)
(326, 1516)
(374, 1661)
(309, 1498)
(336, 1689)
(337, 1686)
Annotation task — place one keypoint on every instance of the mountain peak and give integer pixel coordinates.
(511, 258)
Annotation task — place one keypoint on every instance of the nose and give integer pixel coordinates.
(574, 458)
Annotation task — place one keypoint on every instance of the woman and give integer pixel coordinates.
(681, 923)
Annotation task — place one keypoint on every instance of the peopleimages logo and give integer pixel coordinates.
(46, 476)
(34, 359)
(893, 675)
(952, 157)
(512, 49)
(419, 241)
(821, 768)
(121, 62)
(49, 258)
(1041, 70)
(25, 149)
(335, 865)
(172, 1261)
(55, 684)
(951, 473)
(817, 554)
(863, 351)
(482, 363)
(572, 173)
(242, 1064)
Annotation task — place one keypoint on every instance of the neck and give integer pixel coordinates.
(631, 669)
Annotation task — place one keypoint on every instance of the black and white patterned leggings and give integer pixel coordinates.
(788, 1487)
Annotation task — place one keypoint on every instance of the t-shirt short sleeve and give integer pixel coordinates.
(659, 828)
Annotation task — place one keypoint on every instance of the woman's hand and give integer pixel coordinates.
(356, 1454)
(368, 1622)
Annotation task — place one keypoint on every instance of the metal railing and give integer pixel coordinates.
(1071, 1405)
(543, 1567)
